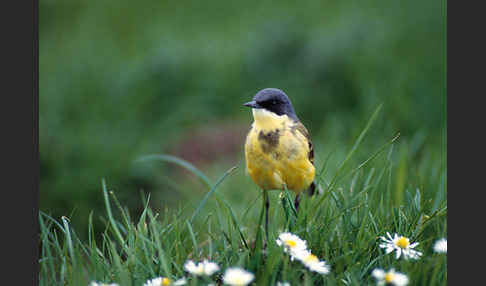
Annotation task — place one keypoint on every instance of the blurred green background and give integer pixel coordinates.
(123, 79)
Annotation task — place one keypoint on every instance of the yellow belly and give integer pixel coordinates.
(286, 162)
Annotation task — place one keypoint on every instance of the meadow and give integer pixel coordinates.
(142, 129)
(341, 226)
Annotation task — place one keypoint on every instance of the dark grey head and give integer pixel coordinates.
(274, 100)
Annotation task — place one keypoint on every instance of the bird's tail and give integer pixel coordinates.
(314, 188)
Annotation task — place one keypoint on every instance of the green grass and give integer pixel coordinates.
(362, 200)
(120, 80)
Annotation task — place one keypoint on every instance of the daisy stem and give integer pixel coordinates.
(285, 266)
(307, 280)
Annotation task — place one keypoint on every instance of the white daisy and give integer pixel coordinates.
(203, 268)
(402, 246)
(312, 262)
(389, 278)
(237, 277)
(440, 246)
(164, 281)
(95, 283)
(291, 243)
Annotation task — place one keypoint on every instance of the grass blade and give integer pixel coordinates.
(353, 149)
(172, 159)
(208, 194)
(110, 215)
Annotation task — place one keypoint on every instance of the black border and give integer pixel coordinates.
(35, 79)
(20, 147)
(465, 143)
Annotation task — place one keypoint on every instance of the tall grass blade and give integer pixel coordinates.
(112, 221)
(208, 194)
(353, 150)
(69, 241)
(356, 144)
(172, 159)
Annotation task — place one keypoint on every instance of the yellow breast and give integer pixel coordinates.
(277, 154)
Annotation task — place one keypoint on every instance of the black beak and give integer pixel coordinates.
(252, 104)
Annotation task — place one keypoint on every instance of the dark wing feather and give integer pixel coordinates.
(301, 128)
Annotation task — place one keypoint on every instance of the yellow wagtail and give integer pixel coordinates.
(278, 148)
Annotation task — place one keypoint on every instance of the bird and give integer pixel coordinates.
(278, 149)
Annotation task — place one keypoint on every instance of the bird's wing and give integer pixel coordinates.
(301, 128)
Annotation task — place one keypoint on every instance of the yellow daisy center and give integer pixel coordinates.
(290, 243)
(389, 277)
(165, 281)
(311, 258)
(402, 242)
